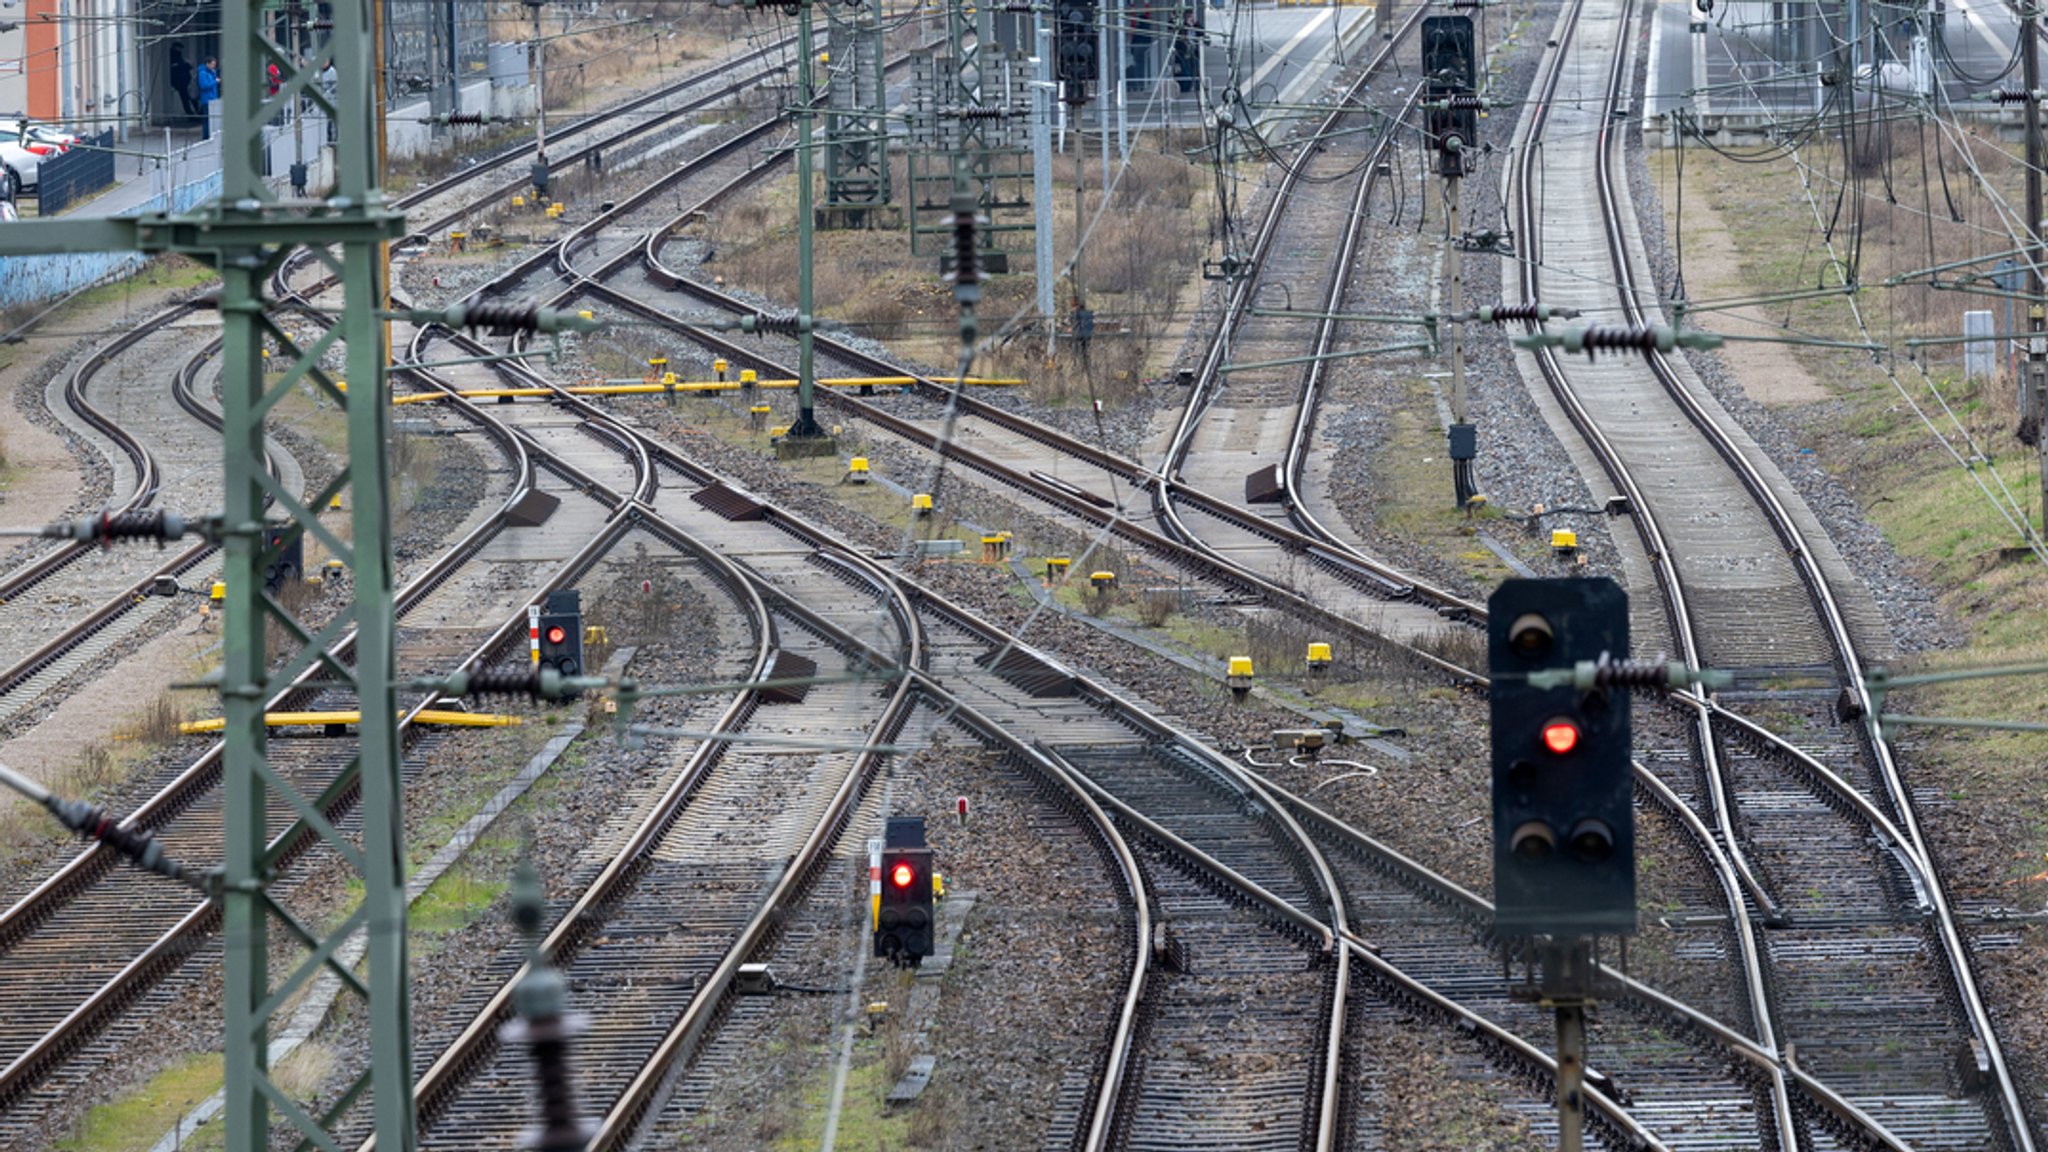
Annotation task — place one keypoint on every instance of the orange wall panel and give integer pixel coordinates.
(41, 28)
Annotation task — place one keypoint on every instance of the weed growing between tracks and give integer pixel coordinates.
(133, 1123)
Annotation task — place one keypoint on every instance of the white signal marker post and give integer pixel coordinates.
(533, 632)
(874, 883)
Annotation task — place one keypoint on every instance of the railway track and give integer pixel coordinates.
(73, 603)
(1824, 1100)
(76, 602)
(1469, 942)
(55, 936)
(1867, 972)
(1131, 749)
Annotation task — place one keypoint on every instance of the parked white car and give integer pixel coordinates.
(20, 164)
(24, 147)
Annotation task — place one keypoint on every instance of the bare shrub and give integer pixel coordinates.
(645, 602)
(158, 723)
(294, 596)
(1157, 605)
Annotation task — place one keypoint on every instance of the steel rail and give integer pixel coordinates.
(135, 593)
(44, 900)
(1955, 950)
(650, 259)
(1825, 1096)
(83, 869)
(687, 1031)
(678, 1046)
(1729, 844)
(147, 480)
(477, 1039)
(1067, 498)
(1328, 1112)
(1061, 496)
(525, 150)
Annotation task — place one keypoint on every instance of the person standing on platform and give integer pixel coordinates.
(209, 91)
(181, 82)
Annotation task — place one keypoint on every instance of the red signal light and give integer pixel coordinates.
(556, 634)
(1560, 736)
(901, 875)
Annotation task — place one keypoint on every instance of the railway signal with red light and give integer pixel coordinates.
(905, 926)
(1563, 821)
(1560, 736)
(561, 632)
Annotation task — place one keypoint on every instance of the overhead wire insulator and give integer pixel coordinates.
(472, 118)
(1639, 337)
(1510, 313)
(108, 527)
(1608, 673)
(541, 684)
(777, 323)
(505, 316)
(965, 274)
(2015, 96)
(139, 845)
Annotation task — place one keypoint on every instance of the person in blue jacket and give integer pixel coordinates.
(209, 91)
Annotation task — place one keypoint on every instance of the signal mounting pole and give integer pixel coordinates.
(2034, 382)
(1450, 68)
(804, 431)
(538, 57)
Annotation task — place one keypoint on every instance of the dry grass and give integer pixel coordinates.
(1133, 276)
(1157, 605)
(157, 724)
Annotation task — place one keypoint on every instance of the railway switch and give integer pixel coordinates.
(904, 923)
(561, 632)
(1563, 825)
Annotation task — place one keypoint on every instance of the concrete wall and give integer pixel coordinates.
(413, 134)
(26, 279)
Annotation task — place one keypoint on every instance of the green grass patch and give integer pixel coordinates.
(175, 273)
(134, 1121)
(463, 893)
(866, 1123)
(1413, 473)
